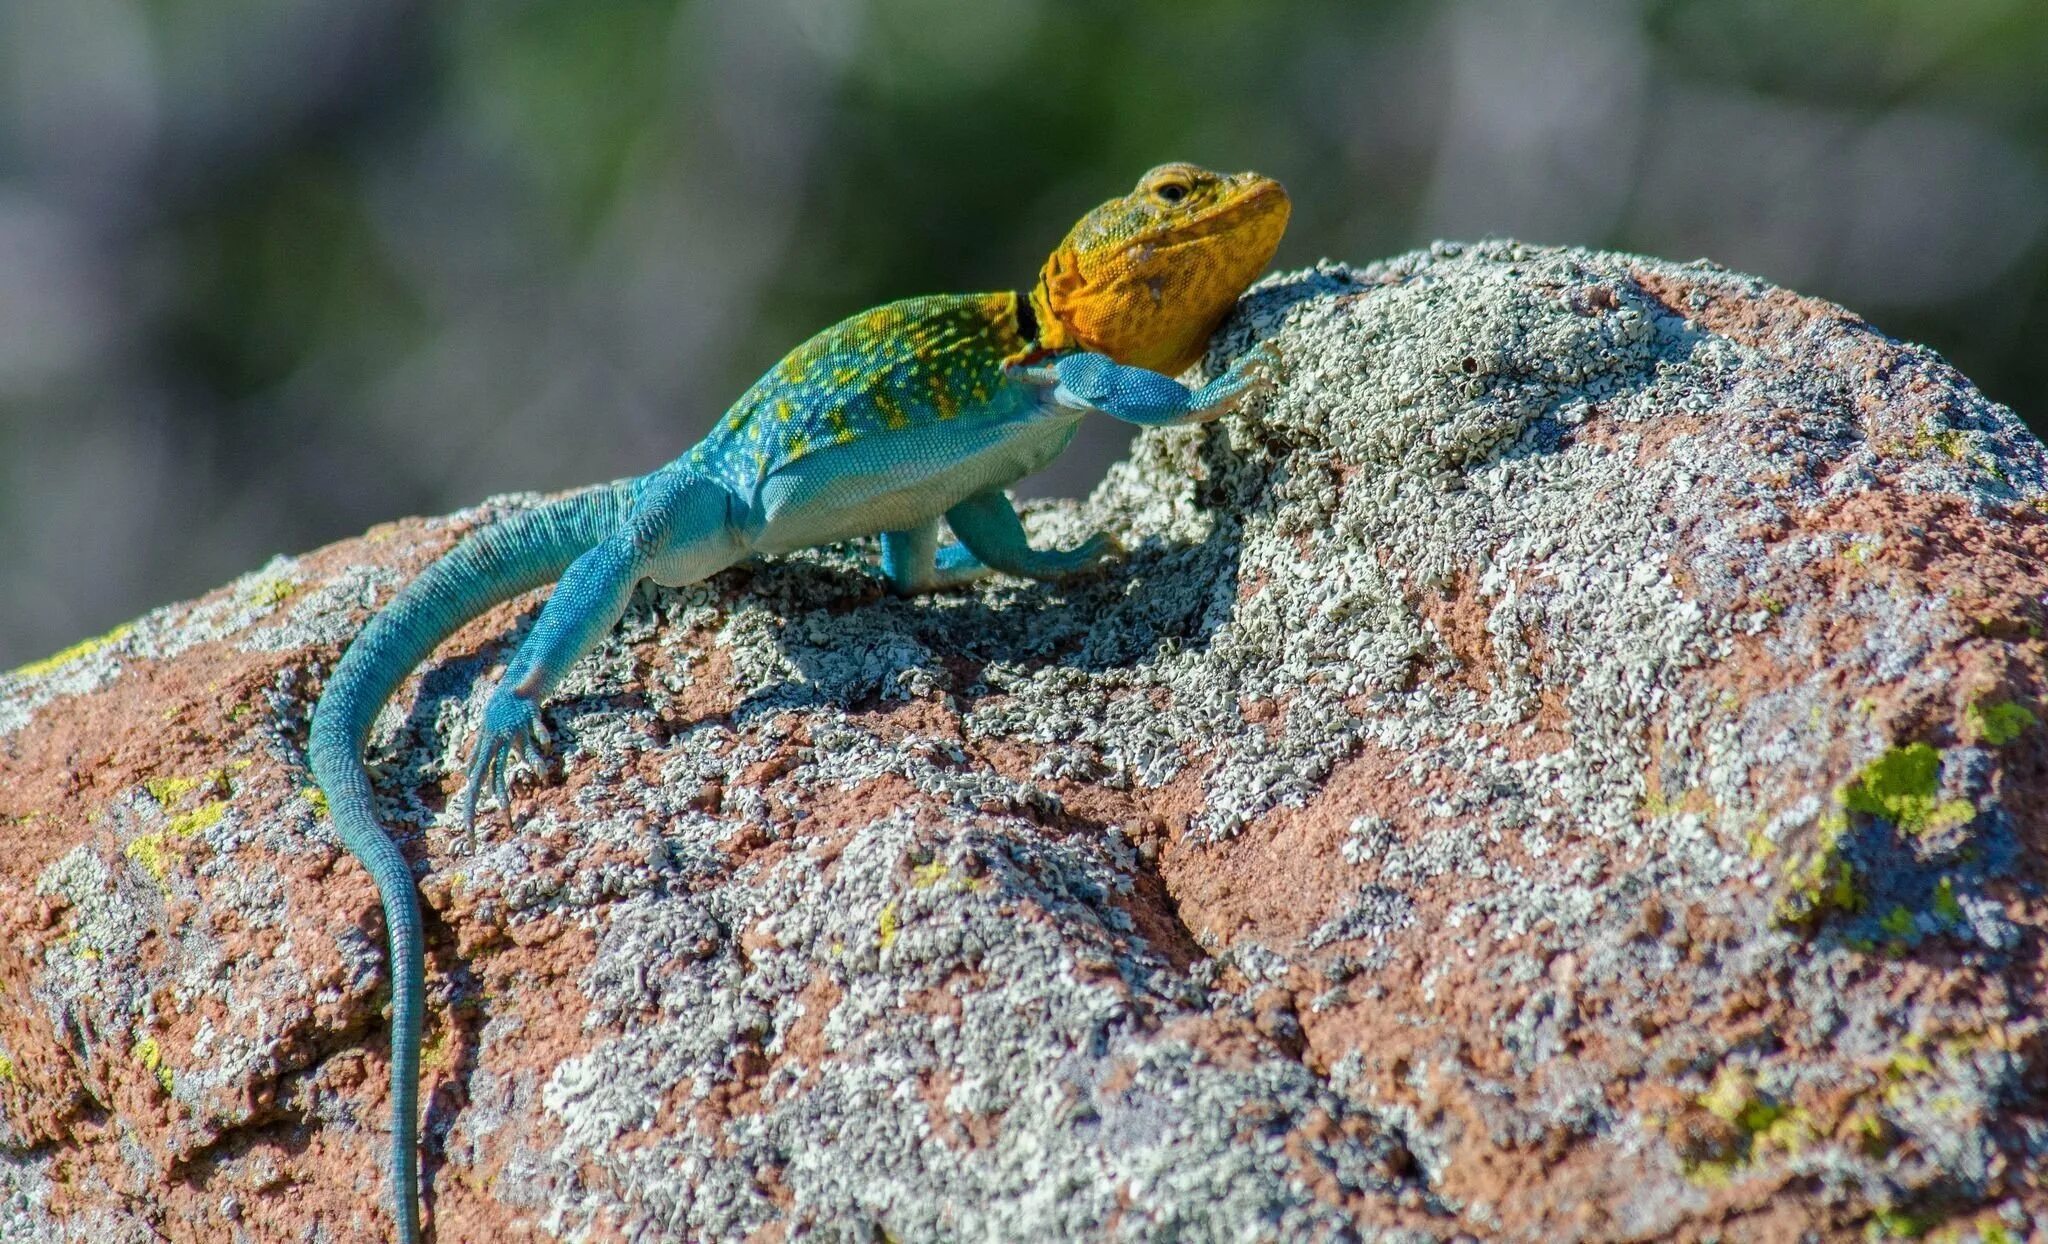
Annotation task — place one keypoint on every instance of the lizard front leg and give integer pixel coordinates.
(1086, 381)
(680, 529)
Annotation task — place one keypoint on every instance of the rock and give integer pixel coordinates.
(1567, 765)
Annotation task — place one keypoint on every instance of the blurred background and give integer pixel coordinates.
(274, 270)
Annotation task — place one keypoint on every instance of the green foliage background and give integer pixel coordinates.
(273, 271)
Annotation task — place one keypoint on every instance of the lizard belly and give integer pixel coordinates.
(899, 480)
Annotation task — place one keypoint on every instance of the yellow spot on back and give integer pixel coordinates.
(892, 411)
(783, 410)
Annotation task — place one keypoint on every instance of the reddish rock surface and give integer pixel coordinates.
(1569, 765)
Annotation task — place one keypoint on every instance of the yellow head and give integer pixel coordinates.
(1146, 278)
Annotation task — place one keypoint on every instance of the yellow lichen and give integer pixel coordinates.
(1763, 1125)
(84, 648)
(151, 1056)
(317, 797)
(276, 592)
(1906, 1064)
(434, 1049)
(925, 876)
(1823, 881)
(888, 925)
(156, 852)
(7, 1073)
(205, 816)
(153, 852)
(169, 790)
(1896, 1224)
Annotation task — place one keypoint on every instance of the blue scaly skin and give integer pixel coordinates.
(882, 424)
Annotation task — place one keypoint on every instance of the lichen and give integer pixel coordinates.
(275, 592)
(1997, 722)
(203, 817)
(1945, 904)
(153, 852)
(1901, 786)
(1823, 881)
(151, 1056)
(1763, 1126)
(83, 648)
(169, 790)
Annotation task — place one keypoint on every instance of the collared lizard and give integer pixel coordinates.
(881, 424)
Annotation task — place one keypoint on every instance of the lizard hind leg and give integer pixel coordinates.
(914, 561)
(680, 528)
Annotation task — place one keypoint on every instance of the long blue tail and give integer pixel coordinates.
(497, 563)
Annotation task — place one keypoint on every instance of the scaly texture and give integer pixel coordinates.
(1570, 766)
(880, 425)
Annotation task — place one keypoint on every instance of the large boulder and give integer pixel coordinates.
(1568, 764)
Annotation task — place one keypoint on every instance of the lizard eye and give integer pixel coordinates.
(1170, 191)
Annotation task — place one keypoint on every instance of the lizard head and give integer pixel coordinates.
(1146, 278)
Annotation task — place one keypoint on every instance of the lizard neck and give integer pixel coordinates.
(1037, 316)
(1038, 330)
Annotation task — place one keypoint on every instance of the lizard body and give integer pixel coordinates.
(881, 424)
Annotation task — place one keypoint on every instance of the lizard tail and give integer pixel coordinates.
(494, 564)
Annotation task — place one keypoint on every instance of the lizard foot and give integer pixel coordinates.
(512, 729)
(1098, 553)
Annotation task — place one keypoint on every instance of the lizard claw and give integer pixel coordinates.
(512, 730)
(1101, 550)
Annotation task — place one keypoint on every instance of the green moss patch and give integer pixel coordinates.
(1997, 722)
(1901, 786)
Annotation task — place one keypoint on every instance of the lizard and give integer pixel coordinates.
(880, 425)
